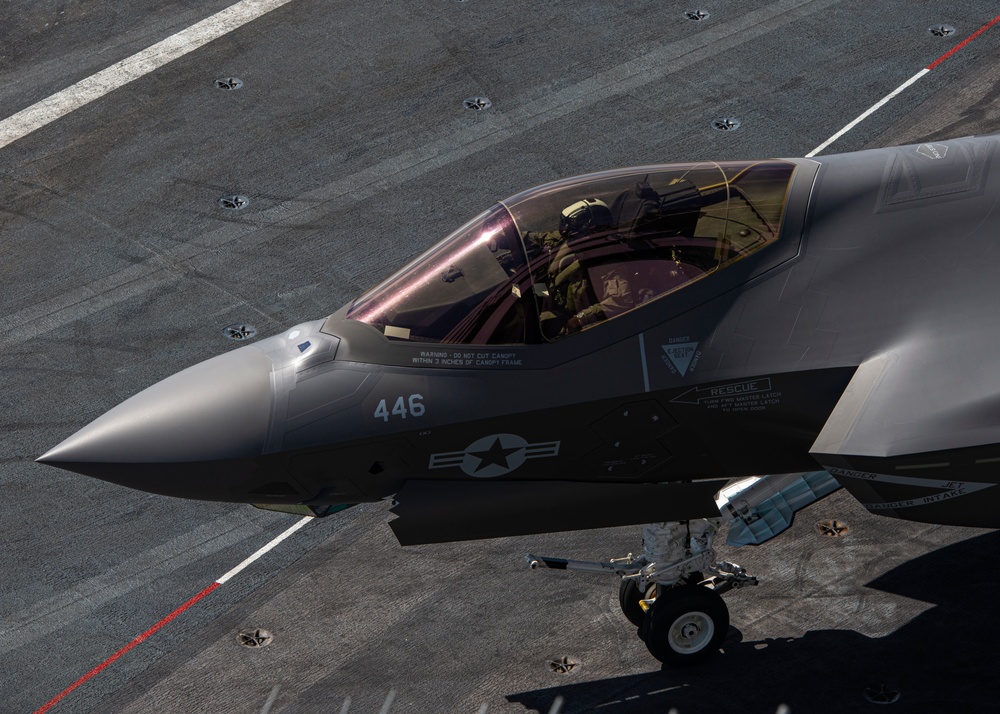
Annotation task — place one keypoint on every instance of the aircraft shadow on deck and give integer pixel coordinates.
(941, 661)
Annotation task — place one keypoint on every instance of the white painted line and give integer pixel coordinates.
(388, 701)
(874, 108)
(271, 699)
(132, 68)
(263, 551)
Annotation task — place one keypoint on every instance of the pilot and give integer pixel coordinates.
(568, 290)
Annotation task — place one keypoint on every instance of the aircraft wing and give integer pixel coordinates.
(910, 435)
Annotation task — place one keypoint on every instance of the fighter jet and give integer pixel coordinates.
(681, 345)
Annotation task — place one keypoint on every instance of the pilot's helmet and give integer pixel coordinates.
(584, 217)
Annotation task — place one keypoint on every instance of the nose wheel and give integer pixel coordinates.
(685, 625)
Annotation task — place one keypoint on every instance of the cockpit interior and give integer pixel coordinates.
(570, 255)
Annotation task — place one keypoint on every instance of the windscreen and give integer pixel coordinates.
(454, 283)
(569, 255)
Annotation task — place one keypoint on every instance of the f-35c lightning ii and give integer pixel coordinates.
(679, 345)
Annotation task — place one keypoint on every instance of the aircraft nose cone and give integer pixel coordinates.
(216, 410)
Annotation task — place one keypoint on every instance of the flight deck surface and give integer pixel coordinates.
(350, 149)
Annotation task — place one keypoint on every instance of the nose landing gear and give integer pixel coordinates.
(679, 612)
(672, 592)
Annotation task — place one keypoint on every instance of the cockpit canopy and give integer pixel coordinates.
(568, 255)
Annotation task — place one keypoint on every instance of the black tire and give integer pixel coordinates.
(686, 625)
(629, 596)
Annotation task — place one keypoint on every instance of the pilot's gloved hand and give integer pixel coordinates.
(590, 315)
(572, 325)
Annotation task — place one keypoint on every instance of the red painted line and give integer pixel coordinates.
(964, 42)
(173, 615)
(130, 646)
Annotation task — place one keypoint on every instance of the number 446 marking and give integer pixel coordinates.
(414, 401)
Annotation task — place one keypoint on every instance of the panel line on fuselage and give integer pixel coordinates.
(642, 356)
